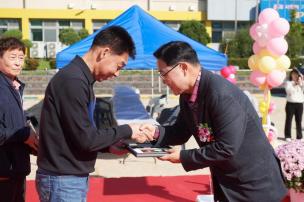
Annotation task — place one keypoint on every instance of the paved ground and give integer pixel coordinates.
(108, 165)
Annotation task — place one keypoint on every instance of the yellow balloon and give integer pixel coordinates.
(265, 52)
(253, 62)
(263, 107)
(262, 110)
(283, 63)
(267, 64)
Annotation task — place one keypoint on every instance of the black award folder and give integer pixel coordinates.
(147, 150)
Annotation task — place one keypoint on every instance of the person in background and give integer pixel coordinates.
(69, 140)
(17, 139)
(294, 106)
(231, 139)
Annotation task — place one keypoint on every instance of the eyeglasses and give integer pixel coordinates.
(164, 74)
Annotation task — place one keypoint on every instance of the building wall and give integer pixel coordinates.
(227, 10)
(159, 5)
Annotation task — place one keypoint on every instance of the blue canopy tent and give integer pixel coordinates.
(148, 34)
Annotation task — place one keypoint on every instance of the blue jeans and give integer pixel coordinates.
(61, 188)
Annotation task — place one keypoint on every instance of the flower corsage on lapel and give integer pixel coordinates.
(205, 133)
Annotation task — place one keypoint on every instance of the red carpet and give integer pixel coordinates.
(139, 189)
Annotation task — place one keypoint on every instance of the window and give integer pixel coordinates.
(173, 24)
(2, 30)
(77, 24)
(48, 30)
(36, 34)
(216, 36)
(50, 35)
(97, 24)
(64, 23)
(217, 25)
(3, 23)
(36, 23)
(8, 24)
(50, 24)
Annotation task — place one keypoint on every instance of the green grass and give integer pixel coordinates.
(243, 72)
(43, 64)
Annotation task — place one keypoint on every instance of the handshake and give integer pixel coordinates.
(143, 132)
(140, 133)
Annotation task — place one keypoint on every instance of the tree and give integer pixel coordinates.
(195, 30)
(13, 33)
(28, 43)
(240, 46)
(68, 36)
(295, 37)
(83, 33)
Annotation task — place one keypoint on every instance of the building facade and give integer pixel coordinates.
(41, 21)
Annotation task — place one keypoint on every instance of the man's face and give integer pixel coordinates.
(11, 63)
(173, 76)
(108, 64)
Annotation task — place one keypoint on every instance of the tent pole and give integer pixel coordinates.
(159, 85)
(167, 93)
(152, 83)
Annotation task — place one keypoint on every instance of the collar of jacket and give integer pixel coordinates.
(79, 62)
(203, 86)
(5, 80)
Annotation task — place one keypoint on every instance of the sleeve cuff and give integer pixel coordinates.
(156, 133)
(187, 160)
(124, 131)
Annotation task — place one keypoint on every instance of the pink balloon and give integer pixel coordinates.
(232, 69)
(275, 78)
(272, 107)
(268, 15)
(257, 78)
(256, 48)
(252, 31)
(232, 80)
(278, 28)
(225, 72)
(271, 135)
(277, 46)
(262, 41)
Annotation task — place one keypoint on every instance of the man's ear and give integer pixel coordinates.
(106, 51)
(184, 66)
(102, 52)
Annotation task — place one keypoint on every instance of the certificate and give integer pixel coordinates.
(147, 150)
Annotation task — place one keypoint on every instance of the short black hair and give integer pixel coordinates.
(11, 43)
(117, 38)
(176, 51)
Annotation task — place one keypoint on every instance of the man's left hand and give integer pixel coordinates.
(173, 156)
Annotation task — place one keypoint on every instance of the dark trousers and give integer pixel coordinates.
(12, 190)
(297, 110)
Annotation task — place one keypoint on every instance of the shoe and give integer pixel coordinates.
(288, 139)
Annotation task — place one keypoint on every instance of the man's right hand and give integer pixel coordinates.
(32, 140)
(139, 135)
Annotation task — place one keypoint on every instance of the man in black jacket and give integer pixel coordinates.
(232, 142)
(69, 140)
(15, 135)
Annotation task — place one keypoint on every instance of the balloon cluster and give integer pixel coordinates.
(269, 62)
(228, 72)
